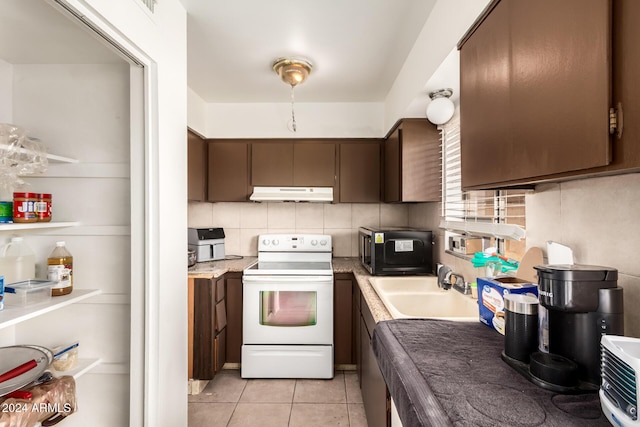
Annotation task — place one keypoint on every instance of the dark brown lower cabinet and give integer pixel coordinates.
(343, 320)
(357, 341)
(233, 282)
(220, 350)
(375, 396)
(209, 327)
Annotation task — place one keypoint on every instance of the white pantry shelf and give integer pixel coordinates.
(13, 315)
(37, 225)
(51, 157)
(60, 159)
(84, 366)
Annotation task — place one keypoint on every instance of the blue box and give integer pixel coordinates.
(1, 292)
(491, 292)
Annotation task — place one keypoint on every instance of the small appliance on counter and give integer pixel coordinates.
(207, 242)
(396, 251)
(619, 392)
(584, 303)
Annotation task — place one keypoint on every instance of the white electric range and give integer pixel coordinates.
(288, 308)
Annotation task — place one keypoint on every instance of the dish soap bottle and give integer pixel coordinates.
(18, 262)
(60, 270)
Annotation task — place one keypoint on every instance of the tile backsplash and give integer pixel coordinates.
(596, 217)
(243, 222)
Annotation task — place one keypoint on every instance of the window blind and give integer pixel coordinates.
(150, 4)
(498, 214)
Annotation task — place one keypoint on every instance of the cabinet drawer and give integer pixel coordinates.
(367, 316)
(221, 316)
(220, 290)
(220, 350)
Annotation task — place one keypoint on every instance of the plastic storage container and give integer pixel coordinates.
(17, 261)
(28, 292)
(65, 357)
(60, 270)
(1, 292)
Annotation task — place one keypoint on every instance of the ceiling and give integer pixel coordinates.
(357, 47)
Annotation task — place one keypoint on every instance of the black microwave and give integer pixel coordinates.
(396, 251)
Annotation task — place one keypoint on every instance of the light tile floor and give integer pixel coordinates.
(229, 400)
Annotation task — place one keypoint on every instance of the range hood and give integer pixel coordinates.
(292, 194)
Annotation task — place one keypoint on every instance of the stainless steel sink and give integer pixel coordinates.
(420, 297)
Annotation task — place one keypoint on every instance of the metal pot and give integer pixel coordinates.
(191, 257)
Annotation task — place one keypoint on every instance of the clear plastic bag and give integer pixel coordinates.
(19, 155)
(49, 404)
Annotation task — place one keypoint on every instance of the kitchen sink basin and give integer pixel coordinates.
(420, 297)
(411, 284)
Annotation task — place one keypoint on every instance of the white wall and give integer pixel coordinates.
(446, 25)
(6, 89)
(596, 217)
(314, 120)
(196, 113)
(243, 222)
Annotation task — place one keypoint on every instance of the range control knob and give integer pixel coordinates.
(275, 242)
(265, 242)
(323, 242)
(314, 242)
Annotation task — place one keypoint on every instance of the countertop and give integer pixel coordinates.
(340, 265)
(450, 373)
(218, 268)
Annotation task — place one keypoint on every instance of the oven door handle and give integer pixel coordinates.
(288, 279)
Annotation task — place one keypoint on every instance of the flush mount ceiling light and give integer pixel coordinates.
(293, 72)
(441, 108)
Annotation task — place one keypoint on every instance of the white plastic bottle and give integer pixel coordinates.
(17, 261)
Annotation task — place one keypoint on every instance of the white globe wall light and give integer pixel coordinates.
(441, 108)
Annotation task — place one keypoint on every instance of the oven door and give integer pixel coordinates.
(287, 310)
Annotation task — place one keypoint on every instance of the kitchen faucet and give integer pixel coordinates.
(459, 284)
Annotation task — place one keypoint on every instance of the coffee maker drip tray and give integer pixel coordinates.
(551, 372)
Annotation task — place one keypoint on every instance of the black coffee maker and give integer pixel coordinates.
(583, 302)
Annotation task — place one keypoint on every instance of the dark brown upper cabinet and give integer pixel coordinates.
(537, 83)
(196, 167)
(300, 163)
(271, 163)
(314, 164)
(412, 165)
(359, 172)
(228, 174)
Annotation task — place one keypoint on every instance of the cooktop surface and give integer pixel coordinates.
(308, 268)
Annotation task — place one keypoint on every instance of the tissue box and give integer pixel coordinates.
(491, 292)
